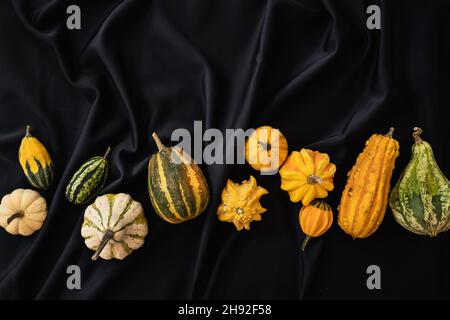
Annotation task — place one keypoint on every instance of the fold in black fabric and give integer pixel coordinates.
(310, 68)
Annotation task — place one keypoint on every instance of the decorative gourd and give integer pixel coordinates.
(420, 200)
(114, 226)
(23, 212)
(365, 196)
(315, 219)
(266, 149)
(176, 184)
(240, 203)
(307, 175)
(36, 162)
(88, 180)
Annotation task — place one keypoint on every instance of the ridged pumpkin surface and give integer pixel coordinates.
(36, 162)
(114, 226)
(420, 200)
(315, 219)
(307, 175)
(177, 187)
(365, 197)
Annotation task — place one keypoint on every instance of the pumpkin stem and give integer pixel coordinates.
(305, 242)
(107, 153)
(14, 216)
(108, 235)
(312, 179)
(416, 135)
(27, 131)
(158, 142)
(389, 134)
(265, 146)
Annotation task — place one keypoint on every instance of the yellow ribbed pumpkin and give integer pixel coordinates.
(307, 175)
(365, 196)
(315, 219)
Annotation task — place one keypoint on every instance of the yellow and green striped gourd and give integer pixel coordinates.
(88, 180)
(177, 187)
(36, 162)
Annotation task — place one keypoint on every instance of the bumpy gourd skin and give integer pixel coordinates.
(420, 200)
(241, 203)
(365, 197)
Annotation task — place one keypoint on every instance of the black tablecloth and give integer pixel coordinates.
(310, 68)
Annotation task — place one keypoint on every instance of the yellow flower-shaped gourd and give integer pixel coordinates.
(240, 203)
(307, 175)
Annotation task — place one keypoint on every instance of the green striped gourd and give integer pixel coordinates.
(36, 162)
(114, 226)
(177, 187)
(420, 200)
(88, 180)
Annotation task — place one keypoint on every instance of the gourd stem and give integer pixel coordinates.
(389, 134)
(14, 216)
(106, 237)
(416, 135)
(312, 179)
(107, 153)
(158, 142)
(27, 131)
(305, 242)
(265, 146)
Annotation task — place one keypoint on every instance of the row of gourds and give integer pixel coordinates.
(115, 225)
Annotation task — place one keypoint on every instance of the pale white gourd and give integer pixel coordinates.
(114, 226)
(22, 212)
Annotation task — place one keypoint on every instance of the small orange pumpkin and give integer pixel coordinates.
(307, 175)
(266, 149)
(315, 219)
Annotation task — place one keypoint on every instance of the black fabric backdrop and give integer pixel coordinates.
(308, 67)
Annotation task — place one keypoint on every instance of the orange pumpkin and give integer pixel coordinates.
(315, 219)
(266, 149)
(307, 175)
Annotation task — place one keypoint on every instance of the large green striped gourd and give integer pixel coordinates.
(36, 162)
(114, 226)
(420, 200)
(88, 180)
(177, 187)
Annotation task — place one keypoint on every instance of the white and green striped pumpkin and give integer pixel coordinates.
(177, 187)
(420, 200)
(114, 226)
(36, 162)
(88, 180)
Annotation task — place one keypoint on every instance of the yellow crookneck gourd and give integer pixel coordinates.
(365, 196)
(36, 162)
